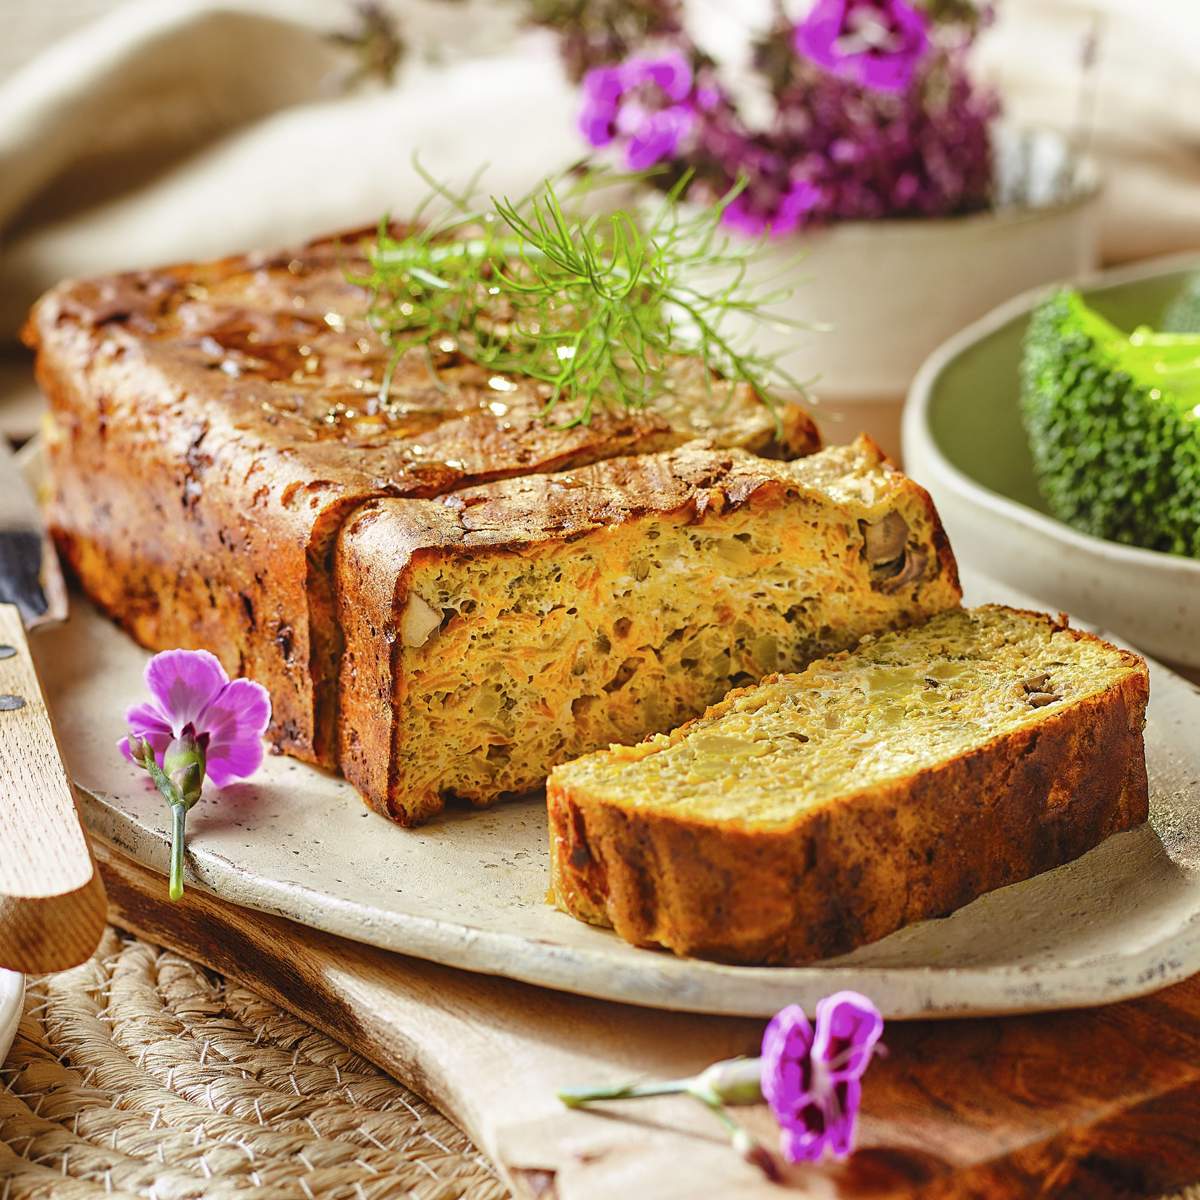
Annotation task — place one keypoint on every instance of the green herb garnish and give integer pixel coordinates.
(594, 306)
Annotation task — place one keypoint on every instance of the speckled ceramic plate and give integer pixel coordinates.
(469, 890)
(12, 993)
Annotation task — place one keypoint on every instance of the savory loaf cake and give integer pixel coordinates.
(212, 425)
(507, 628)
(822, 810)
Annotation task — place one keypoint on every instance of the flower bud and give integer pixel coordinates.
(183, 765)
(140, 751)
(734, 1081)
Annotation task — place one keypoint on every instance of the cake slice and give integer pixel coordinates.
(897, 781)
(212, 425)
(507, 628)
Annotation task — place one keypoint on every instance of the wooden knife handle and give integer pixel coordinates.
(52, 902)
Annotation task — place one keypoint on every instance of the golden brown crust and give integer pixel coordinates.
(847, 874)
(211, 431)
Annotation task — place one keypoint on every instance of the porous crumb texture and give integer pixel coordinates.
(824, 809)
(511, 627)
(213, 425)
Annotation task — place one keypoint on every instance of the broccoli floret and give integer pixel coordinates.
(1114, 426)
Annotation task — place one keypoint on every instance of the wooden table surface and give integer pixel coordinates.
(1092, 1104)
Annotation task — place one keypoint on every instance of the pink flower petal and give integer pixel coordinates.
(738, 215)
(146, 723)
(184, 682)
(786, 1045)
(235, 760)
(805, 1137)
(596, 124)
(842, 1117)
(847, 1027)
(657, 137)
(826, 37)
(801, 198)
(602, 89)
(671, 73)
(235, 722)
(603, 86)
(825, 1123)
(632, 116)
(815, 36)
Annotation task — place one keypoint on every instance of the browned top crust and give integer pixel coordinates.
(696, 477)
(281, 345)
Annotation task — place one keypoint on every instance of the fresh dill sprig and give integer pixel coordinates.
(594, 306)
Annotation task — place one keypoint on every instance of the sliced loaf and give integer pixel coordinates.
(822, 810)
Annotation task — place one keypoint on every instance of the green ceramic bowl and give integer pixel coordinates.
(964, 441)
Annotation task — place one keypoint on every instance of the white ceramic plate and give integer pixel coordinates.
(469, 890)
(12, 995)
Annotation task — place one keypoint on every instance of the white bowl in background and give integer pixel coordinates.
(888, 292)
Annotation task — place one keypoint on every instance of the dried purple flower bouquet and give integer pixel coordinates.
(874, 115)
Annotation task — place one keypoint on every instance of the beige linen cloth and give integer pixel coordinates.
(173, 131)
(180, 129)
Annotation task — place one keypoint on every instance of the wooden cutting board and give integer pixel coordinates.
(1091, 1104)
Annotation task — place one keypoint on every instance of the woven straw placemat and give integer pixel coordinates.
(143, 1074)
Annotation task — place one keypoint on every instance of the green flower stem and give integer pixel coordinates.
(735, 1081)
(713, 1103)
(178, 817)
(180, 803)
(578, 1097)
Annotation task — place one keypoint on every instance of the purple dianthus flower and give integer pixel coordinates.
(811, 1073)
(647, 102)
(198, 725)
(193, 697)
(877, 44)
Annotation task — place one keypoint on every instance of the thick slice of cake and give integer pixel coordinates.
(822, 810)
(508, 628)
(212, 425)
